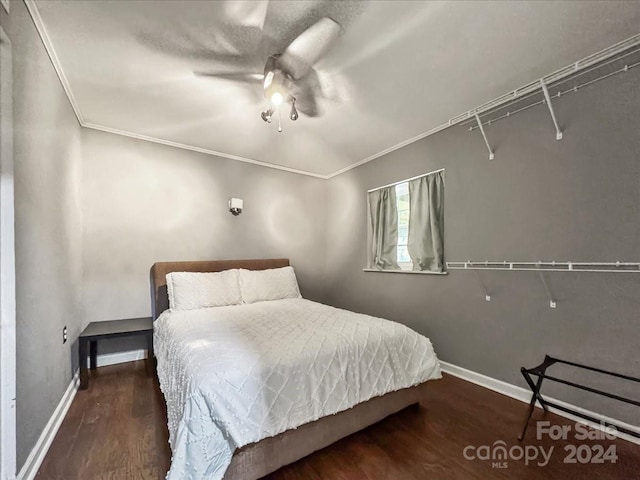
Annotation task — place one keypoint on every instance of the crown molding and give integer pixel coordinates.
(609, 52)
(200, 150)
(46, 40)
(397, 146)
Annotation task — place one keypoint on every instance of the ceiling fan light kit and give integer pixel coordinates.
(266, 115)
(276, 85)
(294, 113)
(289, 76)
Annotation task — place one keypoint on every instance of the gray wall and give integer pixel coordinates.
(48, 225)
(145, 202)
(577, 199)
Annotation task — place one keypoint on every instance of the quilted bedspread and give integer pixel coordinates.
(234, 375)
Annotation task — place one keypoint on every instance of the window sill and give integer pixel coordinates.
(412, 272)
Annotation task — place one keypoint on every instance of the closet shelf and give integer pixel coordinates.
(542, 266)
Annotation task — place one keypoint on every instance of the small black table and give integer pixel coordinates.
(88, 341)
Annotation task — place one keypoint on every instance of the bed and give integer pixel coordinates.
(251, 388)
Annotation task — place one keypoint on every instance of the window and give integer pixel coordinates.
(403, 209)
(406, 225)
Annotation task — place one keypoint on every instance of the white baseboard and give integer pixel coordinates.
(119, 357)
(35, 458)
(524, 395)
(39, 451)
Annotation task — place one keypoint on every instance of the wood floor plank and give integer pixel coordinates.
(117, 430)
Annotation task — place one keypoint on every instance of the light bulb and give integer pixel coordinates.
(276, 99)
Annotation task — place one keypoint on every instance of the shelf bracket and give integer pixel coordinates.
(552, 300)
(484, 135)
(547, 98)
(487, 296)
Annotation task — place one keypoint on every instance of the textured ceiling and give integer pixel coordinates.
(398, 70)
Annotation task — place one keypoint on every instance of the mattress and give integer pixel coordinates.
(235, 375)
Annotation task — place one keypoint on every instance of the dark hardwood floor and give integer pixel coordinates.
(117, 430)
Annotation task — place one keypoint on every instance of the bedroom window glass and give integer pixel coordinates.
(402, 206)
(406, 225)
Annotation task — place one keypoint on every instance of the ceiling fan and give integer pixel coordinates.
(289, 77)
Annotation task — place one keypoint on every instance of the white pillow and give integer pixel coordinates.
(191, 290)
(271, 284)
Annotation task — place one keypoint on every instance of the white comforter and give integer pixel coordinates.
(235, 375)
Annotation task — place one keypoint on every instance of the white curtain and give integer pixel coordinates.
(383, 229)
(426, 222)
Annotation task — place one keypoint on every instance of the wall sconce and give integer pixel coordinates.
(235, 206)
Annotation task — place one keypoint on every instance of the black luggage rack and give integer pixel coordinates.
(541, 372)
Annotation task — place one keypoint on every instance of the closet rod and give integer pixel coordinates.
(553, 78)
(560, 81)
(560, 93)
(606, 267)
(570, 71)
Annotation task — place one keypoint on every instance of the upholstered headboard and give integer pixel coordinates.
(159, 271)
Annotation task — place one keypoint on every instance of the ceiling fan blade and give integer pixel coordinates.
(209, 30)
(251, 13)
(308, 93)
(308, 106)
(222, 45)
(253, 78)
(309, 47)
